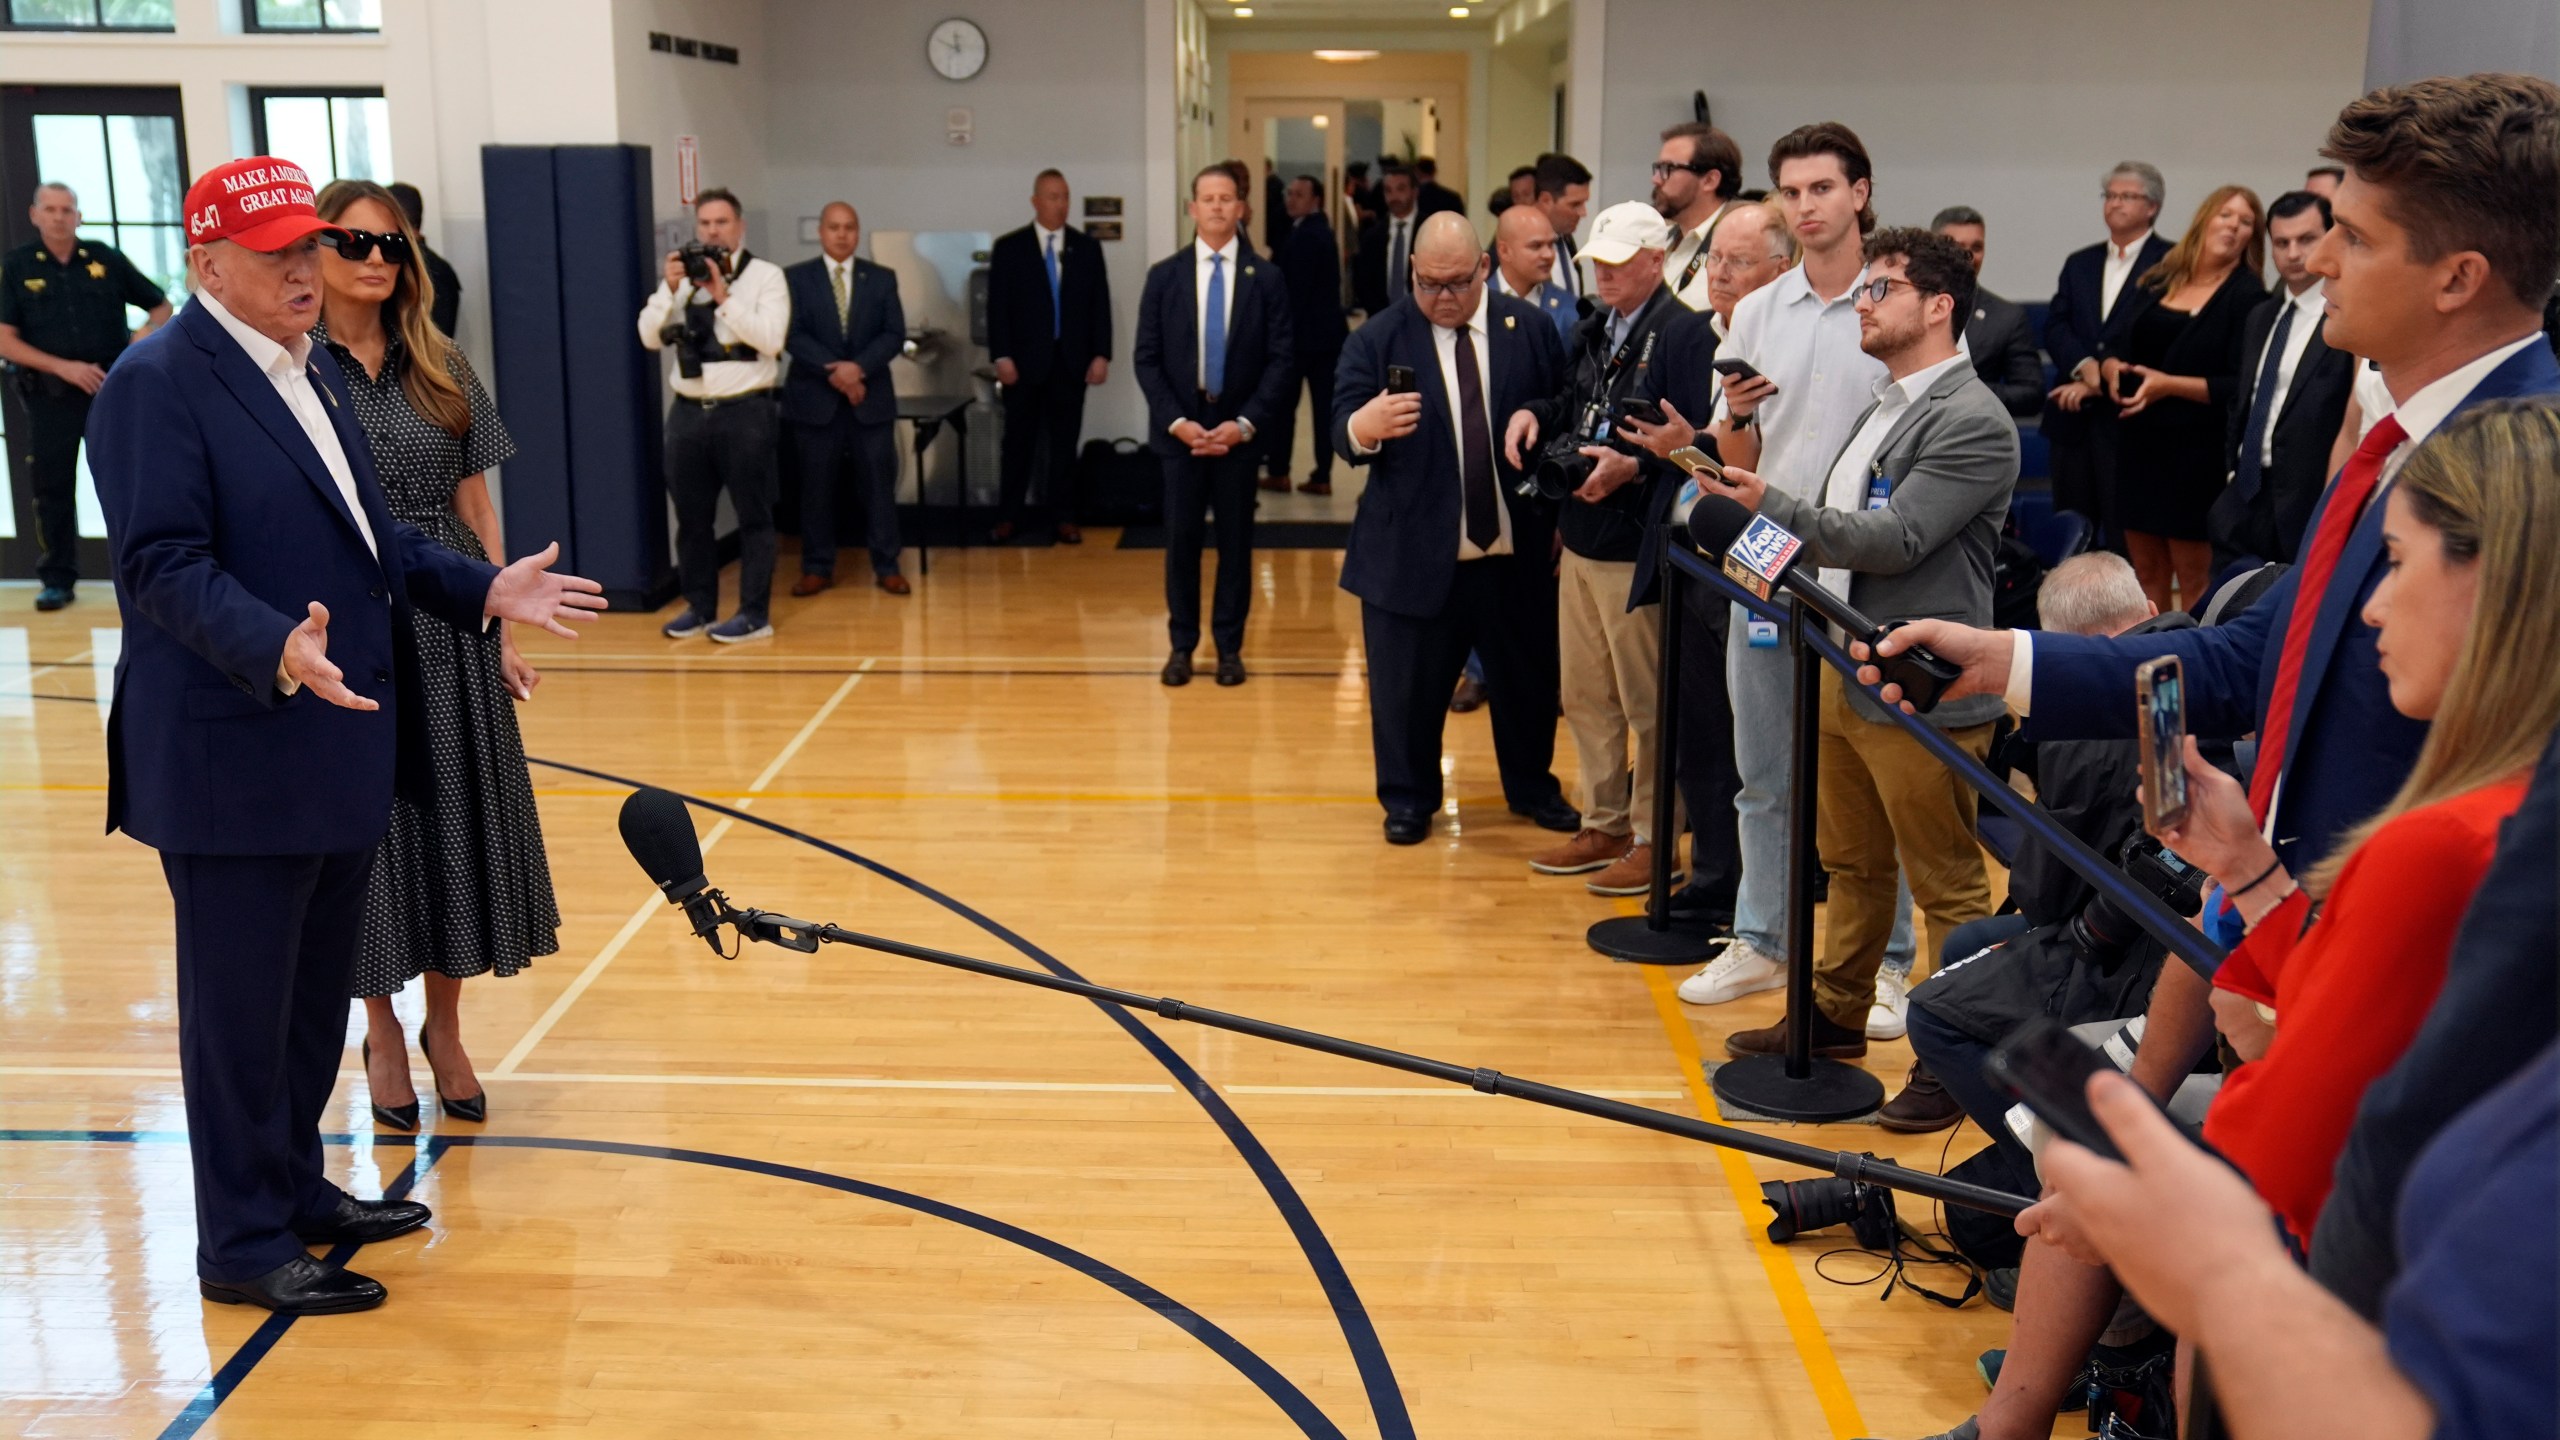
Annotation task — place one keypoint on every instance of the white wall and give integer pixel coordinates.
(658, 97)
(2016, 107)
(855, 114)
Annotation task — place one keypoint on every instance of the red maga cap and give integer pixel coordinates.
(262, 202)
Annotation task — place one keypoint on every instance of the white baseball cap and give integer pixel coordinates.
(1618, 232)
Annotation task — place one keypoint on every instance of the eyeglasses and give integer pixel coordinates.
(1446, 289)
(2126, 197)
(1664, 169)
(361, 244)
(1882, 286)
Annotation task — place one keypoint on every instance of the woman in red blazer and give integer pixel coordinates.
(2348, 959)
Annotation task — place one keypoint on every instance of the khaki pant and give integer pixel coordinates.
(1885, 800)
(1611, 659)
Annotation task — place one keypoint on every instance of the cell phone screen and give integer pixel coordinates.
(2046, 1068)
(2161, 689)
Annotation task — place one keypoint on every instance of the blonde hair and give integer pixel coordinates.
(2483, 483)
(428, 379)
(2179, 266)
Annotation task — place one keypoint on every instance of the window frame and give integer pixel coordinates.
(97, 25)
(259, 95)
(250, 24)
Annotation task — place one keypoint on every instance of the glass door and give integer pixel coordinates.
(123, 152)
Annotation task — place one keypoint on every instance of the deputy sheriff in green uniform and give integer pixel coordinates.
(62, 304)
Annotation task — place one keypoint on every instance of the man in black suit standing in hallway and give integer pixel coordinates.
(2283, 425)
(1312, 263)
(1430, 197)
(846, 326)
(1997, 334)
(1049, 329)
(1445, 555)
(1213, 358)
(2083, 326)
(1380, 270)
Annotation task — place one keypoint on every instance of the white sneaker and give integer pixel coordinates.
(1743, 969)
(1890, 1015)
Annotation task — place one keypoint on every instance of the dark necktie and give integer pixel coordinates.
(1396, 262)
(2338, 515)
(2263, 403)
(1475, 449)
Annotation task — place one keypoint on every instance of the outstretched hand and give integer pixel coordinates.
(1985, 656)
(306, 662)
(529, 594)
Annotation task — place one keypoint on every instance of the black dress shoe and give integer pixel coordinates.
(300, 1286)
(1408, 829)
(1552, 814)
(1231, 669)
(1177, 670)
(1696, 909)
(397, 1117)
(474, 1108)
(361, 1222)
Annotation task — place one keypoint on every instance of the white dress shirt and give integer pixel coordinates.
(2117, 269)
(288, 369)
(757, 313)
(2306, 318)
(1444, 345)
(1808, 347)
(1847, 487)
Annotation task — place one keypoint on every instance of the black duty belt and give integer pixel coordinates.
(714, 402)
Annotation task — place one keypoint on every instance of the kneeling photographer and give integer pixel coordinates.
(723, 313)
(1609, 650)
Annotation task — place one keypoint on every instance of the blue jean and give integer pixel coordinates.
(1762, 680)
(1956, 1057)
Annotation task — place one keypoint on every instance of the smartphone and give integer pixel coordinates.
(2160, 699)
(2046, 1068)
(1696, 462)
(1735, 370)
(1399, 379)
(1643, 412)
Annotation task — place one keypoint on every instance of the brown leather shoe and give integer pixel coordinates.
(1631, 875)
(1837, 1042)
(1274, 482)
(1316, 487)
(808, 585)
(1468, 698)
(1924, 1105)
(1068, 534)
(1587, 851)
(895, 584)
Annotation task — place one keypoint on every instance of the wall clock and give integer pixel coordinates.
(957, 49)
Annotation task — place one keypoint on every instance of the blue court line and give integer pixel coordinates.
(1368, 1353)
(1292, 1401)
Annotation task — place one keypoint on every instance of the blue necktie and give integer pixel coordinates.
(1057, 311)
(2263, 400)
(1213, 329)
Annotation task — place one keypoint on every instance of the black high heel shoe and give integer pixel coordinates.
(401, 1117)
(474, 1110)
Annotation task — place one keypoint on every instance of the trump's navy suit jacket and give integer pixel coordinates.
(2349, 749)
(224, 525)
(1403, 552)
(878, 330)
(1261, 365)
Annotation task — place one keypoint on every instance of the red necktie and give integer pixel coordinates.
(2347, 499)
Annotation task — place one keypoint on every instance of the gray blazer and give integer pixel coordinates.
(1951, 459)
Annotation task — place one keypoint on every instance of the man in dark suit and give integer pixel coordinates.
(2299, 668)
(1563, 196)
(1996, 335)
(846, 326)
(1381, 269)
(1049, 329)
(1430, 196)
(1213, 358)
(2083, 326)
(1275, 206)
(447, 309)
(1312, 264)
(264, 708)
(2282, 429)
(1445, 554)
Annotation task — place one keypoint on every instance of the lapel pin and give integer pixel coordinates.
(1510, 322)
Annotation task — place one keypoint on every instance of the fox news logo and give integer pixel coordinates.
(1760, 554)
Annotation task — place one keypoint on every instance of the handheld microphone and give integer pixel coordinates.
(658, 831)
(1760, 555)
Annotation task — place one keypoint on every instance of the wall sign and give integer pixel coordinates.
(666, 44)
(688, 169)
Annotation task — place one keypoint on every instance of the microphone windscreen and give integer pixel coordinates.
(1714, 523)
(658, 831)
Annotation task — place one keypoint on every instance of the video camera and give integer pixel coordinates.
(1562, 468)
(2103, 932)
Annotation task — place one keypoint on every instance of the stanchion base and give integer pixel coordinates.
(1633, 939)
(1834, 1091)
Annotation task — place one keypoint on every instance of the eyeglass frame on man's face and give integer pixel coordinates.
(1879, 289)
(2132, 197)
(1449, 290)
(1664, 169)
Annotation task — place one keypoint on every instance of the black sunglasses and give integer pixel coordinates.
(361, 244)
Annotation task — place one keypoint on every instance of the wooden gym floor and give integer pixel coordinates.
(847, 1194)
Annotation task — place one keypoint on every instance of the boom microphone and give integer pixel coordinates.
(658, 831)
(1760, 555)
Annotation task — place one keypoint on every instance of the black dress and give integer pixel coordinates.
(2173, 459)
(460, 885)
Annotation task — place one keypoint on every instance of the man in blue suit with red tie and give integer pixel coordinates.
(1445, 553)
(2446, 243)
(264, 711)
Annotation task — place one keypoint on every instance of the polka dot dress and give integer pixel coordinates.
(461, 885)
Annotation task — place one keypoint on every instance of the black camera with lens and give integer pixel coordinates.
(698, 259)
(1797, 1206)
(692, 336)
(2102, 930)
(1561, 467)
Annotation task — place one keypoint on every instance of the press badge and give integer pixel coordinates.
(1762, 634)
(1879, 491)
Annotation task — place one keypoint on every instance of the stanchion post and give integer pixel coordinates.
(1649, 939)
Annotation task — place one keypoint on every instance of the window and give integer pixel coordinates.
(93, 15)
(131, 183)
(311, 17)
(333, 134)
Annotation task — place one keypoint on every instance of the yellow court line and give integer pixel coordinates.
(1813, 1347)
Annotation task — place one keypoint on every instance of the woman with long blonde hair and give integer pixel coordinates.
(460, 886)
(2349, 959)
(2178, 378)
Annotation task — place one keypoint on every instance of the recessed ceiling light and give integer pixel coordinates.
(1458, 12)
(1345, 57)
(1321, 121)
(1244, 12)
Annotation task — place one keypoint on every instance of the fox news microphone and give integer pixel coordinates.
(1760, 555)
(658, 831)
